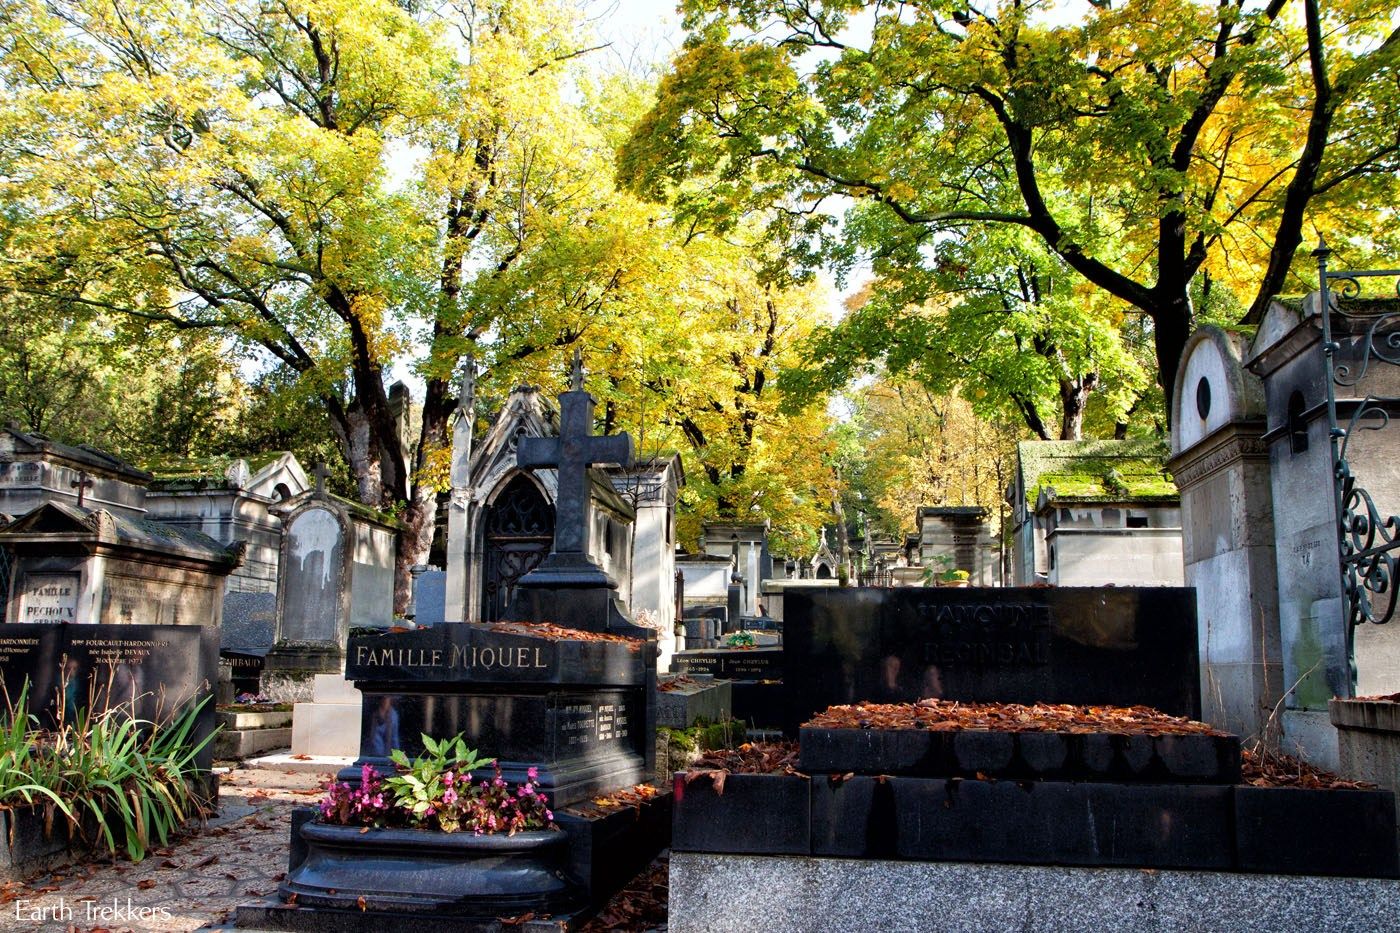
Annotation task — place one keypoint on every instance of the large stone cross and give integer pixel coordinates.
(572, 453)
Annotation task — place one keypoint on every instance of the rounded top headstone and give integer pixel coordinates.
(1212, 387)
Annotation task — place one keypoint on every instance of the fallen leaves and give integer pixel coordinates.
(752, 758)
(1380, 698)
(1275, 769)
(628, 797)
(668, 683)
(749, 758)
(937, 715)
(301, 757)
(640, 905)
(552, 632)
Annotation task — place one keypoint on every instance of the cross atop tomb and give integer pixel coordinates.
(82, 483)
(322, 473)
(572, 453)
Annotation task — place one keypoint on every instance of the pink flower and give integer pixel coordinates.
(449, 796)
(532, 773)
(448, 779)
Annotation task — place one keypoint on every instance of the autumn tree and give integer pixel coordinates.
(337, 184)
(998, 319)
(919, 448)
(1161, 150)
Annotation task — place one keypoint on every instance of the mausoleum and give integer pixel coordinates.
(1091, 513)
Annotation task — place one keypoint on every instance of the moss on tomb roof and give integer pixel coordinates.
(205, 471)
(1097, 471)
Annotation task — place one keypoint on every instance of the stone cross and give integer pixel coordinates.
(322, 473)
(572, 453)
(82, 483)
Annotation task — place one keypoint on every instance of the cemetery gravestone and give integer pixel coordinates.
(76, 565)
(578, 709)
(155, 668)
(1055, 645)
(336, 574)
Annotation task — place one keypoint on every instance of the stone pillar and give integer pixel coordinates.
(459, 502)
(1221, 466)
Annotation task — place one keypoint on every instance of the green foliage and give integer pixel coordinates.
(1155, 152)
(704, 736)
(120, 782)
(420, 782)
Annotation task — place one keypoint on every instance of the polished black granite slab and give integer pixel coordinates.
(71, 667)
(475, 654)
(577, 711)
(1187, 759)
(731, 663)
(1218, 827)
(1121, 646)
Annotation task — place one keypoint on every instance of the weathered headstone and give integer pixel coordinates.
(337, 573)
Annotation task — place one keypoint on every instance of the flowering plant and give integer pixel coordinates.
(438, 791)
(366, 805)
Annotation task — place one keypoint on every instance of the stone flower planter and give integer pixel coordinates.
(427, 871)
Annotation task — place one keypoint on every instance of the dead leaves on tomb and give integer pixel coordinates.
(749, 758)
(937, 715)
(552, 632)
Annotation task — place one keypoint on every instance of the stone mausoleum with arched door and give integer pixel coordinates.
(501, 519)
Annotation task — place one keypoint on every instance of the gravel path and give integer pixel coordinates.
(193, 884)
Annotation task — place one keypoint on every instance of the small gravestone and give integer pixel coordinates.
(337, 572)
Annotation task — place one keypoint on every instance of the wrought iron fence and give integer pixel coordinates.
(1368, 540)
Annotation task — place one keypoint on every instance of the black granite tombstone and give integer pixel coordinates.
(568, 588)
(573, 699)
(576, 710)
(1122, 646)
(157, 668)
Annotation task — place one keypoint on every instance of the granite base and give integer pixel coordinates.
(718, 893)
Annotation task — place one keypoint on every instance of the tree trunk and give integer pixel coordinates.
(420, 513)
(1074, 398)
(1171, 326)
(362, 454)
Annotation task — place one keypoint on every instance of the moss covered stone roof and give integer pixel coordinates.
(1096, 471)
(204, 472)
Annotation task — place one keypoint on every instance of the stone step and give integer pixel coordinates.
(231, 719)
(243, 743)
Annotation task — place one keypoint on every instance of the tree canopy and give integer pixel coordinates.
(338, 188)
(1163, 151)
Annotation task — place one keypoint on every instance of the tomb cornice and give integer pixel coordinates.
(1233, 441)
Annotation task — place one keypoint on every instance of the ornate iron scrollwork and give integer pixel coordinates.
(1368, 540)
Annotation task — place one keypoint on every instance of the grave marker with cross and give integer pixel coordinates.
(568, 588)
(322, 473)
(575, 450)
(82, 484)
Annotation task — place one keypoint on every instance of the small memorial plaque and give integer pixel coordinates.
(49, 597)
